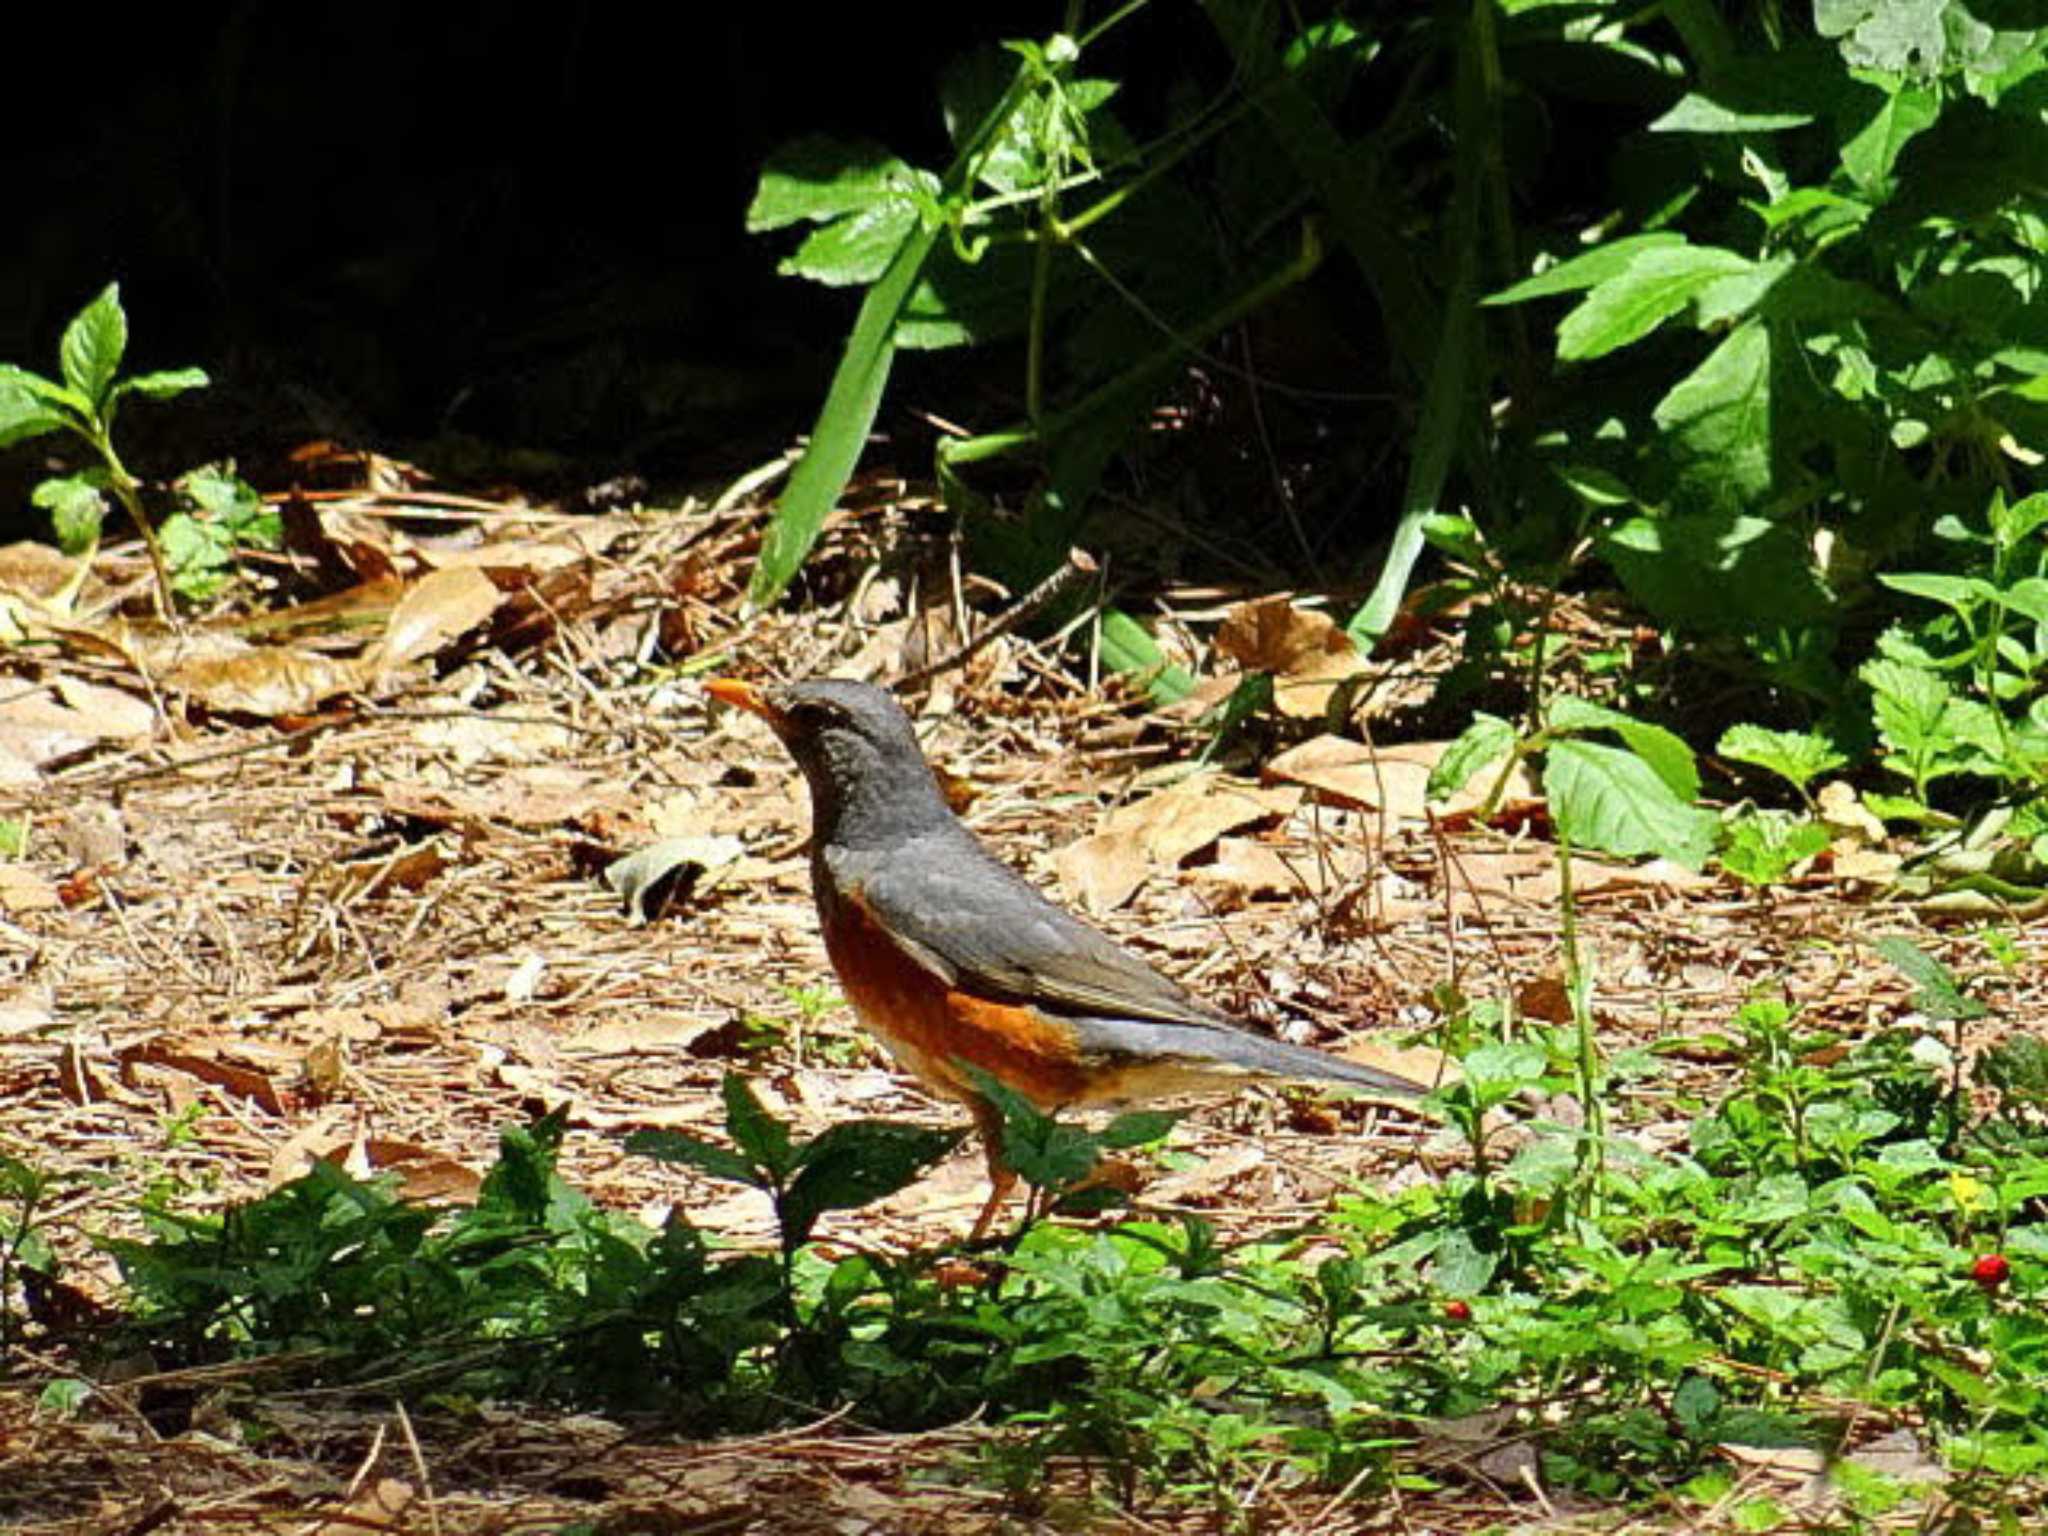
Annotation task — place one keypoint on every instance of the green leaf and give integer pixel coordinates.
(856, 1163)
(1717, 420)
(163, 385)
(76, 508)
(234, 503)
(706, 1157)
(1764, 847)
(30, 405)
(1138, 1128)
(1698, 113)
(1927, 38)
(63, 1396)
(1485, 741)
(1594, 486)
(1128, 648)
(1605, 798)
(93, 345)
(1869, 156)
(1940, 996)
(842, 428)
(855, 249)
(1665, 752)
(1715, 571)
(821, 179)
(1654, 287)
(1042, 1152)
(1797, 756)
(1588, 271)
(1962, 593)
(759, 1134)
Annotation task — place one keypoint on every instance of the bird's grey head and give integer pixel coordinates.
(868, 777)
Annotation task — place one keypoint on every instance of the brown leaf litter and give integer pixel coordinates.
(381, 935)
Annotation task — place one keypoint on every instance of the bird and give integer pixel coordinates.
(956, 962)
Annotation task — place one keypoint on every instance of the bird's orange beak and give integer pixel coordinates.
(743, 695)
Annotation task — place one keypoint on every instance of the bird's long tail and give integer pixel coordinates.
(1165, 1058)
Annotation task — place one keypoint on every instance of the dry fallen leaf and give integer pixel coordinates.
(1306, 653)
(23, 890)
(112, 714)
(1843, 813)
(437, 608)
(1393, 780)
(1103, 870)
(266, 681)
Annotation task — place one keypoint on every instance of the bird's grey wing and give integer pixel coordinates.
(968, 918)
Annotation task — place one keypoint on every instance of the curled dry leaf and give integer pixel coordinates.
(635, 876)
(1105, 869)
(1304, 651)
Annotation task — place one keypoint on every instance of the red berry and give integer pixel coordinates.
(1991, 1271)
(1458, 1311)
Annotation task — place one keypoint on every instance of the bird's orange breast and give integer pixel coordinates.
(930, 1025)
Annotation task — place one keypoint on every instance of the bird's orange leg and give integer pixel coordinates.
(1002, 1179)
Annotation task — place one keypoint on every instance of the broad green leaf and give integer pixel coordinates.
(2011, 523)
(26, 407)
(1869, 156)
(1910, 704)
(759, 1134)
(1485, 741)
(821, 179)
(855, 249)
(165, 384)
(1605, 798)
(1699, 113)
(2028, 596)
(93, 345)
(1588, 271)
(76, 507)
(1926, 38)
(1797, 756)
(1666, 753)
(1717, 572)
(1718, 419)
(1962, 593)
(1461, 1267)
(1654, 287)
(856, 1163)
(706, 1157)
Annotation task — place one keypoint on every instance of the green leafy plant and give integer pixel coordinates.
(851, 1164)
(84, 405)
(1632, 799)
(1057, 1160)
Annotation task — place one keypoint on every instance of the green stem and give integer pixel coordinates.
(128, 491)
(1593, 1142)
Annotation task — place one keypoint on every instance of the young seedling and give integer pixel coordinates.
(85, 404)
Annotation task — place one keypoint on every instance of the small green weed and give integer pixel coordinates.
(193, 550)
